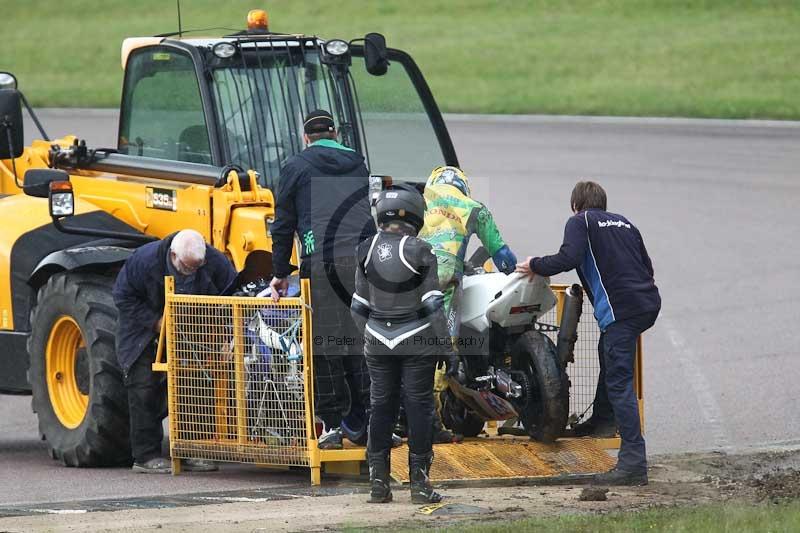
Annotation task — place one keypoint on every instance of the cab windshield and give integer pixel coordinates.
(262, 96)
(263, 93)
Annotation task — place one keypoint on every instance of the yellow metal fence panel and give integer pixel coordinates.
(237, 383)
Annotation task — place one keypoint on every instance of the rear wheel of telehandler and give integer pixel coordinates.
(545, 406)
(77, 386)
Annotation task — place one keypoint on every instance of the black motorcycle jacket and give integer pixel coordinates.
(323, 198)
(397, 294)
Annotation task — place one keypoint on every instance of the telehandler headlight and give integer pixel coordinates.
(337, 47)
(224, 50)
(62, 199)
(7, 81)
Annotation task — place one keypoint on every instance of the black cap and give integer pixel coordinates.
(318, 121)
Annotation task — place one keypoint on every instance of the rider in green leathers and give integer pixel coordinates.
(451, 218)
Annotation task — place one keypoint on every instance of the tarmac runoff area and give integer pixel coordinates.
(685, 480)
(714, 201)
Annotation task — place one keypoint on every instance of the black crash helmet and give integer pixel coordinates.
(401, 203)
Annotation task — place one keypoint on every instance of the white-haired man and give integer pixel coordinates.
(139, 295)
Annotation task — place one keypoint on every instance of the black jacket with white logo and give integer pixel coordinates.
(323, 197)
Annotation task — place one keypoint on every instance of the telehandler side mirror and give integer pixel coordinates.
(375, 55)
(37, 181)
(11, 138)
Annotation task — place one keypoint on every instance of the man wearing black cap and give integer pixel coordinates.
(323, 197)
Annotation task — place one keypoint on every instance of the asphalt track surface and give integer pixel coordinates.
(716, 202)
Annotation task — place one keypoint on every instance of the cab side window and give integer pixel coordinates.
(162, 112)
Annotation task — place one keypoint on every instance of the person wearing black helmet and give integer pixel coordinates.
(323, 199)
(400, 308)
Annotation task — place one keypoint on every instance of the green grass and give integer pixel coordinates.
(729, 518)
(712, 58)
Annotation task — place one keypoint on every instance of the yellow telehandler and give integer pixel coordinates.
(205, 125)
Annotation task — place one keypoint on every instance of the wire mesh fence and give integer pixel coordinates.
(583, 372)
(237, 379)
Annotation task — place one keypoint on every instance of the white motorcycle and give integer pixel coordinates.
(509, 369)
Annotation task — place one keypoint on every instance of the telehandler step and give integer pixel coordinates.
(510, 458)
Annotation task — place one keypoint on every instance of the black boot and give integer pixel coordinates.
(440, 434)
(421, 489)
(379, 468)
(596, 427)
(618, 476)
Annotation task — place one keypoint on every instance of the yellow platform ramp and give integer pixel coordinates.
(507, 458)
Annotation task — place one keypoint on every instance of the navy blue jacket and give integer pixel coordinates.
(612, 263)
(323, 196)
(139, 294)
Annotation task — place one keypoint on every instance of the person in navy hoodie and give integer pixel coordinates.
(610, 257)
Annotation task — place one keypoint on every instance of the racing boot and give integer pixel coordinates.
(421, 489)
(379, 468)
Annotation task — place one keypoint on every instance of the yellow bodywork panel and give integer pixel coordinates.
(130, 200)
(34, 156)
(240, 231)
(22, 214)
(248, 232)
(232, 220)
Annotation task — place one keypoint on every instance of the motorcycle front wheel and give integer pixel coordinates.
(544, 408)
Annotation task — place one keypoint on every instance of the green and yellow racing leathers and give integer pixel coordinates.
(451, 218)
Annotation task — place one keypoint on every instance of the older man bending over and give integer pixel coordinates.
(139, 294)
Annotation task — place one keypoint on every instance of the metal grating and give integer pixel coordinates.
(237, 380)
(508, 457)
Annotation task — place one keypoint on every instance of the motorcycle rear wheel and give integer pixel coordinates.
(545, 408)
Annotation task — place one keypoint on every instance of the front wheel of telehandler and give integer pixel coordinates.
(78, 392)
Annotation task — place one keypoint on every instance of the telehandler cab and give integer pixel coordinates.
(196, 114)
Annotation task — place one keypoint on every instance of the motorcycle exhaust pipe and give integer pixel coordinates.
(507, 386)
(568, 329)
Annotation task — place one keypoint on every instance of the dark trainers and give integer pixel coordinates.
(396, 440)
(198, 465)
(330, 440)
(596, 428)
(156, 465)
(617, 476)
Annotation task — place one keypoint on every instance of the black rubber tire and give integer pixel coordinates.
(102, 438)
(457, 418)
(544, 416)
